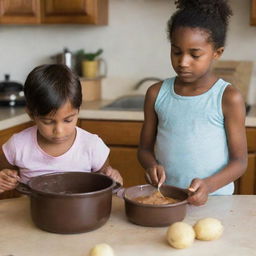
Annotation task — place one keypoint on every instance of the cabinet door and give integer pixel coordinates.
(251, 139)
(253, 12)
(19, 11)
(124, 159)
(247, 181)
(125, 133)
(75, 11)
(123, 138)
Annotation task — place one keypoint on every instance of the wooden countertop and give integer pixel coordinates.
(10, 117)
(19, 236)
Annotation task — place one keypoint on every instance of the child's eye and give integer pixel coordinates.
(68, 120)
(176, 53)
(47, 122)
(195, 56)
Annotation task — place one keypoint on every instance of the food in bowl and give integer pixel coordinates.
(153, 215)
(156, 198)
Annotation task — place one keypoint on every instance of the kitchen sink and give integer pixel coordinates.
(127, 103)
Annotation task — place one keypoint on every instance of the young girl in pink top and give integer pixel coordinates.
(55, 143)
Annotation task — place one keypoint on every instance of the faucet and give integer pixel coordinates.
(137, 86)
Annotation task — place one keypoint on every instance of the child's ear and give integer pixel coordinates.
(218, 53)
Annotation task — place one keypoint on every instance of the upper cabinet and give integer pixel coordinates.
(54, 12)
(19, 11)
(253, 12)
(75, 11)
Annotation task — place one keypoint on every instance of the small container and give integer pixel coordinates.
(94, 68)
(66, 57)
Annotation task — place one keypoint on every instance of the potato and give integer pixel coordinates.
(180, 235)
(208, 229)
(101, 250)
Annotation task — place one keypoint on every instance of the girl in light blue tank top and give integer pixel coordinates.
(193, 134)
(191, 140)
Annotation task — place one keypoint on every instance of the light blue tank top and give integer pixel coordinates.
(191, 141)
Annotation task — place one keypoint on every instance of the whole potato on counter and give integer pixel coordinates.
(180, 235)
(208, 229)
(101, 250)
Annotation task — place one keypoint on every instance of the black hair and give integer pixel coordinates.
(209, 15)
(48, 87)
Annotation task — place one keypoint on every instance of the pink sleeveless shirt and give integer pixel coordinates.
(87, 154)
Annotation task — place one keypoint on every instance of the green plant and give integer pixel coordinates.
(82, 55)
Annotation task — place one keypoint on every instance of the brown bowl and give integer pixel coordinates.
(155, 215)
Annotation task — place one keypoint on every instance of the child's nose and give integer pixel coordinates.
(184, 61)
(58, 129)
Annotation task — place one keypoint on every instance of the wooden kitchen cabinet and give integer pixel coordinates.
(124, 133)
(125, 160)
(247, 183)
(123, 139)
(4, 136)
(251, 139)
(54, 12)
(253, 12)
(19, 11)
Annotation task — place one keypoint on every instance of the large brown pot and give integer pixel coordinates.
(155, 215)
(70, 202)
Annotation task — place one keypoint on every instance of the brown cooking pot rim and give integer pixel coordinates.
(155, 205)
(66, 194)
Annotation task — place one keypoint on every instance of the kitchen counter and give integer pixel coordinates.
(19, 236)
(91, 110)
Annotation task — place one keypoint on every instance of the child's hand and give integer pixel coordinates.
(156, 175)
(199, 192)
(8, 179)
(113, 173)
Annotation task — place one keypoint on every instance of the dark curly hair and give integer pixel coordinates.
(48, 87)
(209, 15)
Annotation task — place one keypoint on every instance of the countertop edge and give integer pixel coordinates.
(250, 121)
(84, 114)
(13, 121)
(92, 110)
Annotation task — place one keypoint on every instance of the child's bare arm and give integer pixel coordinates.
(147, 138)
(234, 117)
(8, 174)
(106, 169)
(8, 179)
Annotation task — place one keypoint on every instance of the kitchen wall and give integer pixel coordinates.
(135, 43)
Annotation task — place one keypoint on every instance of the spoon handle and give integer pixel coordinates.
(158, 189)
